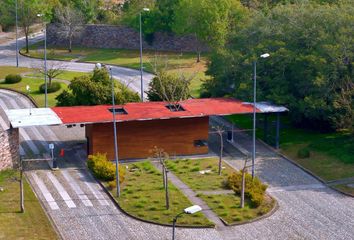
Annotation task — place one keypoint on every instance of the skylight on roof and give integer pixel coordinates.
(118, 111)
(175, 107)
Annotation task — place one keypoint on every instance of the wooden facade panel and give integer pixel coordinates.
(137, 138)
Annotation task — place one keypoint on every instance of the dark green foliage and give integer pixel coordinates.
(95, 90)
(310, 68)
(254, 188)
(13, 78)
(303, 153)
(53, 87)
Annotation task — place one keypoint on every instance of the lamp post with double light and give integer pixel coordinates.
(45, 61)
(265, 55)
(16, 33)
(141, 55)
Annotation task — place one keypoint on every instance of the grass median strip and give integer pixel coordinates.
(143, 196)
(201, 175)
(33, 224)
(227, 207)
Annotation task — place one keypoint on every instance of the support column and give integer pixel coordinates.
(277, 131)
(265, 127)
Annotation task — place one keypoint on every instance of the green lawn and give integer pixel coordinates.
(331, 153)
(345, 188)
(34, 80)
(188, 171)
(143, 196)
(33, 224)
(227, 207)
(176, 62)
(34, 84)
(4, 71)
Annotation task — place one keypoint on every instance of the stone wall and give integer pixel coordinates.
(108, 36)
(9, 148)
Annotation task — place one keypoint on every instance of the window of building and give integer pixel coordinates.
(119, 111)
(200, 143)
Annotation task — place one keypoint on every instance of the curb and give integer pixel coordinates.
(140, 219)
(23, 94)
(268, 214)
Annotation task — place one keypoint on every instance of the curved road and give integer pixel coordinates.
(131, 77)
(308, 209)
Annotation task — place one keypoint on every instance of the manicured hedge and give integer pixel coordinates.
(53, 87)
(13, 78)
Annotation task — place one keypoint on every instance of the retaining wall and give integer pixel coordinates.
(109, 36)
(9, 148)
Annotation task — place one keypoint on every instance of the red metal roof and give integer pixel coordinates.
(152, 110)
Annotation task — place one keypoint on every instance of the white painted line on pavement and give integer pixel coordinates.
(296, 188)
(3, 124)
(77, 189)
(96, 193)
(48, 197)
(64, 194)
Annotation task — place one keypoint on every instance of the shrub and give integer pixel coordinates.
(104, 169)
(13, 78)
(303, 153)
(254, 188)
(53, 87)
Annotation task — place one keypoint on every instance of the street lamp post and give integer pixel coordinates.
(45, 61)
(265, 55)
(115, 133)
(190, 210)
(16, 34)
(141, 56)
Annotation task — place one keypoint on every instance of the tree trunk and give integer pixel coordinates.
(221, 150)
(166, 190)
(49, 81)
(26, 34)
(198, 57)
(70, 43)
(243, 188)
(163, 176)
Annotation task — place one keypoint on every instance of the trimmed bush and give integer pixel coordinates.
(53, 87)
(303, 153)
(13, 78)
(254, 188)
(104, 169)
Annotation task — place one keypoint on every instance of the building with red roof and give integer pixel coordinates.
(179, 129)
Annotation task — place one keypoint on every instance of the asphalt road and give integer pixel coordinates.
(128, 76)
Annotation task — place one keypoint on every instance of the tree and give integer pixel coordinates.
(27, 14)
(168, 87)
(219, 130)
(70, 22)
(310, 68)
(53, 70)
(209, 20)
(94, 90)
(160, 155)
